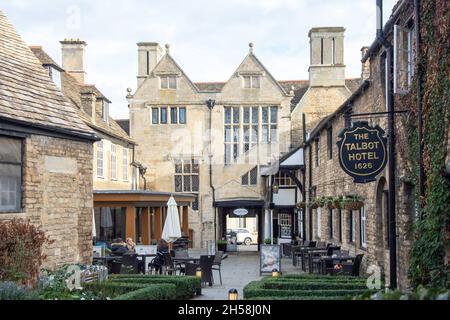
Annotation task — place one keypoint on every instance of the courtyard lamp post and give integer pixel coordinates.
(275, 273)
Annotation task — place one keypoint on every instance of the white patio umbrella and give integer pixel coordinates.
(94, 229)
(172, 230)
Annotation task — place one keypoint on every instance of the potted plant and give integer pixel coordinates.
(313, 203)
(301, 204)
(222, 245)
(352, 202)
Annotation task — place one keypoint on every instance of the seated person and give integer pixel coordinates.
(131, 246)
(161, 249)
(118, 247)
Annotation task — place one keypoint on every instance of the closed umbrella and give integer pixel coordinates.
(172, 230)
(94, 229)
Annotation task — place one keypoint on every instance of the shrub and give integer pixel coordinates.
(162, 291)
(21, 251)
(186, 286)
(12, 291)
(110, 289)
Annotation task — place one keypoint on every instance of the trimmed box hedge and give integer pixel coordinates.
(162, 291)
(305, 287)
(186, 286)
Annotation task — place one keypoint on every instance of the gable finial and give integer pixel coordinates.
(167, 47)
(250, 47)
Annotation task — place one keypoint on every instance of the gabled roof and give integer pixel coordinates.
(73, 90)
(27, 95)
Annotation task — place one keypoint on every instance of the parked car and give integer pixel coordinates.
(243, 236)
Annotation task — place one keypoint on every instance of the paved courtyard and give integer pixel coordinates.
(238, 269)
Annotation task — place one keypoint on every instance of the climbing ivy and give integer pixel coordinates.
(430, 247)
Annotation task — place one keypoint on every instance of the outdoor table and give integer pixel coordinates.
(304, 251)
(186, 259)
(311, 254)
(144, 257)
(338, 258)
(106, 259)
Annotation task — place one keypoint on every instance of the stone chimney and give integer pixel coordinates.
(88, 104)
(73, 58)
(365, 70)
(149, 54)
(327, 67)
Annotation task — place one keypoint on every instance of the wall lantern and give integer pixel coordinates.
(275, 273)
(232, 294)
(275, 188)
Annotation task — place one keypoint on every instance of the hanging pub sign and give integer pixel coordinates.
(362, 151)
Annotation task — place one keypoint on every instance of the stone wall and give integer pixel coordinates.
(57, 195)
(328, 179)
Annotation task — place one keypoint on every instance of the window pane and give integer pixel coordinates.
(195, 183)
(182, 115)
(273, 133)
(178, 185)
(195, 167)
(10, 150)
(10, 187)
(164, 82)
(164, 115)
(246, 115)
(173, 115)
(255, 113)
(155, 119)
(244, 179)
(265, 133)
(195, 204)
(273, 115)
(227, 115)
(265, 115)
(186, 167)
(235, 151)
(246, 147)
(236, 134)
(246, 82)
(187, 183)
(227, 133)
(227, 153)
(236, 115)
(255, 134)
(172, 82)
(246, 133)
(254, 176)
(255, 82)
(178, 166)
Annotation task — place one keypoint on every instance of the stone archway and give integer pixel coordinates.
(382, 226)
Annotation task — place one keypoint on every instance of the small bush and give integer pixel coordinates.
(186, 286)
(12, 291)
(162, 291)
(21, 251)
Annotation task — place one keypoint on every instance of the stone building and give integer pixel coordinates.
(365, 231)
(215, 139)
(46, 153)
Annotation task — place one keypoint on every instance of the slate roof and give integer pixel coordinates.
(73, 90)
(27, 94)
(124, 124)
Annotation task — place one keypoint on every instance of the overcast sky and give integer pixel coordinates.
(208, 38)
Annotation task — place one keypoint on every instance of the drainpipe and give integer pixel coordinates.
(419, 101)
(391, 147)
(210, 104)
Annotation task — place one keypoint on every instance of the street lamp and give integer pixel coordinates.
(275, 188)
(232, 294)
(275, 273)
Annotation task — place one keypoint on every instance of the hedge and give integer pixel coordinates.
(269, 298)
(186, 287)
(162, 291)
(112, 289)
(314, 286)
(316, 278)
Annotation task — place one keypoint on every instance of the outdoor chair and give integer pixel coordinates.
(316, 261)
(352, 268)
(287, 249)
(116, 267)
(205, 264)
(217, 263)
(169, 265)
(130, 262)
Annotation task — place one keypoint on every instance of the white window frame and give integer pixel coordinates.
(125, 164)
(55, 75)
(105, 110)
(100, 159)
(113, 161)
(252, 82)
(319, 224)
(165, 82)
(403, 88)
(363, 229)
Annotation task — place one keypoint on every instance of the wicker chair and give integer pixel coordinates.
(217, 264)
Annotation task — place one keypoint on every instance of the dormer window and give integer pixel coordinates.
(251, 82)
(55, 75)
(168, 82)
(105, 110)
